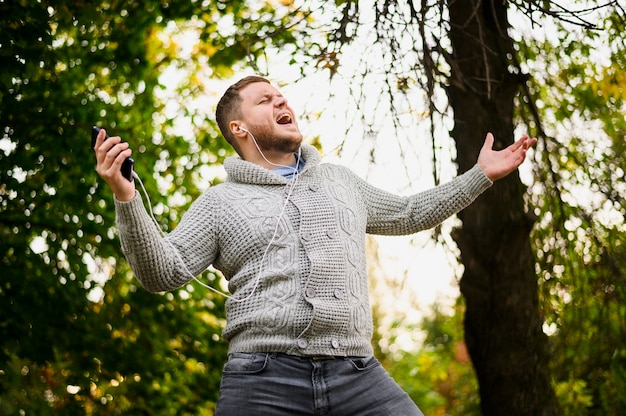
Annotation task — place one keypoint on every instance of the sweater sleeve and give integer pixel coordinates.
(390, 214)
(165, 261)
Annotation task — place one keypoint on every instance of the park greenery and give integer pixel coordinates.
(79, 336)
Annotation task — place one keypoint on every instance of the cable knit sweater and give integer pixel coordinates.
(312, 293)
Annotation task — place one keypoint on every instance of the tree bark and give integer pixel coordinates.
(503, 328)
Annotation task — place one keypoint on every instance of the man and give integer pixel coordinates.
(288, 233)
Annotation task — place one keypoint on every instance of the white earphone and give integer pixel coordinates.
(257, 280)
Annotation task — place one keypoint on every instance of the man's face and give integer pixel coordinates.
(266, 114)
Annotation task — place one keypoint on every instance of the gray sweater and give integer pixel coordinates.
(309, 287)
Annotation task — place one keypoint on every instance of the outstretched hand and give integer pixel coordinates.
(498, 163)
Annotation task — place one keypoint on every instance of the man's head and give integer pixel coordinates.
(229, 107)
(252, 109)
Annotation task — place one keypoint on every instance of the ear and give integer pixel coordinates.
(235, 129)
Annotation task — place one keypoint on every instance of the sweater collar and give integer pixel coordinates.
(240, 170)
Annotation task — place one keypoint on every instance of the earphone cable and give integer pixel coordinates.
(292, 185)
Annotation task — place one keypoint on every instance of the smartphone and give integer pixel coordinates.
(127, 165)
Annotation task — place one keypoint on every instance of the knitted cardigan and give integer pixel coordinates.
(297, 255)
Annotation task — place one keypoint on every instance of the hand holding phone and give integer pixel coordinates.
(127, 165)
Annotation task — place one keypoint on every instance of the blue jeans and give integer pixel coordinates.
(273, 384)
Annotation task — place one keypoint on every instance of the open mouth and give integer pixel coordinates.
(284, 118)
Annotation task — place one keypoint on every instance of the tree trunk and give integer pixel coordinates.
(503, 329)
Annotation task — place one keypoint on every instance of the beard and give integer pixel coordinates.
(270, 140)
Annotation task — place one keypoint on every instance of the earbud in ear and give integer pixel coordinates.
(243, 129)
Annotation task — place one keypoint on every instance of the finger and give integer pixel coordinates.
(531, 142)
(521, 142)
(111, 142)
(488, 144)
(109, 169)
(122, 155)
(99, 139)
(112, 151)
(105, 155)
(106, 144)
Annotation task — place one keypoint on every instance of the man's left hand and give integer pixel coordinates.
(498, 163)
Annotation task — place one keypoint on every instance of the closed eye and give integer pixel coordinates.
(268, 98)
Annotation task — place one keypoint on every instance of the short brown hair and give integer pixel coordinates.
(229, 107)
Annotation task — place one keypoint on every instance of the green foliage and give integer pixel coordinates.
(574, 396)
(579, 200)
(78, 335)
(439, 376)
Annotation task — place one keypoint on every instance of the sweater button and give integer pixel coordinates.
(306, 236)
(303, 343)
(335, 343)
(314, 187)
(340, 294)
(332, 234)
(310, 292)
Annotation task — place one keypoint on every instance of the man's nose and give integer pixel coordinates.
(280, 102)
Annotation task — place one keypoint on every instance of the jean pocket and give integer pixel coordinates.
(246, 363)
(363, 363)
